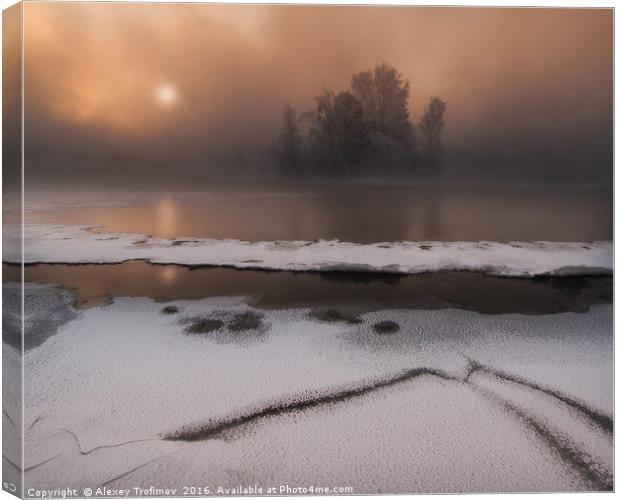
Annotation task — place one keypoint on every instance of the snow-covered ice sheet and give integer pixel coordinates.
(298, 401)
(11, 416)
(79, 244)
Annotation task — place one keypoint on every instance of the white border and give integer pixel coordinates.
(478, 3)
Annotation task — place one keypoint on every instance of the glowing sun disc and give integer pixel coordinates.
(166, 94)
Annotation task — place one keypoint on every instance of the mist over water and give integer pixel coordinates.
(528, 91)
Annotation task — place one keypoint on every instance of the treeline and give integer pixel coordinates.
(366, 130)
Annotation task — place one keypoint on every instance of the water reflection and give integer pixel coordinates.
(368, 214)
(94, 284)
(168, 274)
(166, 218)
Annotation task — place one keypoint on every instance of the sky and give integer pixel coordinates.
(193, 91)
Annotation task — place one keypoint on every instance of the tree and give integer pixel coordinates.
(290, 145)
(384, 94)
(431, 127)
(350, 129)
(365, 130)
(338, 132)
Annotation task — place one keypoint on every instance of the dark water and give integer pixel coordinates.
(95, 284)
(367, 214)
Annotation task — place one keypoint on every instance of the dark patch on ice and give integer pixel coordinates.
(248, 320)
(289, 245)
(335, 315)
(182, 242)
(217, 429)
(170, 310)
(228, 326)
(388, 326)
(204, 325)
(251, 261)
(484, 245)
(426, 247)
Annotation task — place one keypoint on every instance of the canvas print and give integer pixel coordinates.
(306, 250)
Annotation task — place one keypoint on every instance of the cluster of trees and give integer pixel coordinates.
(361, 131)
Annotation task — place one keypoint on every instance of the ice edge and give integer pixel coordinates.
(81, 245)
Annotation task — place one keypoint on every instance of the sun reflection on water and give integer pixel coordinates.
(167, 218)
(169, 274)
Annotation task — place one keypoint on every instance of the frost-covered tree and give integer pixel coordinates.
(365, 130)
(338, 132)
(384, 95)
(431, 128)
(289, 149)
(351, 132)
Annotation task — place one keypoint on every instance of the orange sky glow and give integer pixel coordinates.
(211, 77)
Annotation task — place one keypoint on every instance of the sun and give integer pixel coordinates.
(166, 94)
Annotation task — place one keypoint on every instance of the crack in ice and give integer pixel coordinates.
(216, 429)
(584, 464)
(604, 422)
(96, 448)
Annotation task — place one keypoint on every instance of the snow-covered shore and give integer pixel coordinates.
(454, 401)
(81, 245)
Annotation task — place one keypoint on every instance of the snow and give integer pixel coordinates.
(105, 391)
(572, 426)
(80, 244)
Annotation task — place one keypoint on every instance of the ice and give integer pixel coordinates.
(45, 308)
(573, 429)
(80, 244)
(301, 401)
(405, 439)
(11, 416)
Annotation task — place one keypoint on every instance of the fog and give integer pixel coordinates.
(528, 91)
